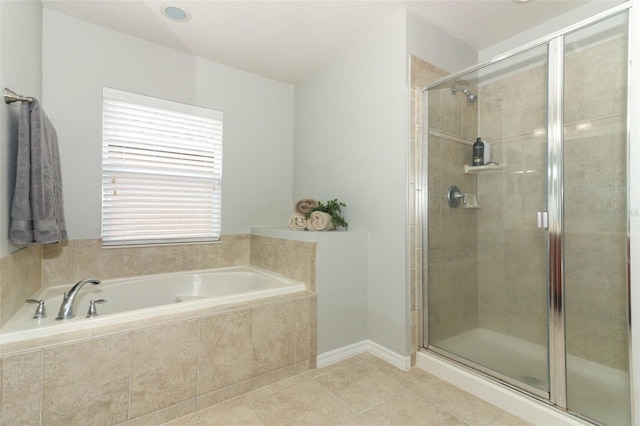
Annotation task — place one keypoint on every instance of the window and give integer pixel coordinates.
(161, 171)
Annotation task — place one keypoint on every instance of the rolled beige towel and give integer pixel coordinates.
(298, 222)
(305, 205)
(320, 221)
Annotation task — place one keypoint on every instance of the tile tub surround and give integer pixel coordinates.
(78, 259)
(20, 277)
(288, 346)
(25, 271)
(154, 372)
(292, 258)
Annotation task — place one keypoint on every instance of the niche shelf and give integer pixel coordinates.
(489, 168)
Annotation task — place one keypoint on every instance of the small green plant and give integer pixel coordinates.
(332, 207)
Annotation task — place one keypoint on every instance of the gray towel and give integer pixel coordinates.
(37, 211)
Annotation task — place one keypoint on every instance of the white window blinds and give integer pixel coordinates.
(161, 171)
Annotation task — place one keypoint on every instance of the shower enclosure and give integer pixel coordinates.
(525, 276)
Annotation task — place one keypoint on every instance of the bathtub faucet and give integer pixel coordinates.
(66, 308)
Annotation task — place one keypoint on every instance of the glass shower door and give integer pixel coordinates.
(595, 222)
(487, 293)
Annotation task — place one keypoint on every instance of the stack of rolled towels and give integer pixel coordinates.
(317, 221)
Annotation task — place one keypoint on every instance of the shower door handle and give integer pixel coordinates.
(543, 220)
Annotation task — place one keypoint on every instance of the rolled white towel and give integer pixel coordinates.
(320, 221)
(305, 205)
(298, 222)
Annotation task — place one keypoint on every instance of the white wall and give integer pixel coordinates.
(20, 71)
(351, 143)
(430, 43)
(350, 133)
(80, 58)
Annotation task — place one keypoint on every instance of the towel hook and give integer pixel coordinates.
(11, 96)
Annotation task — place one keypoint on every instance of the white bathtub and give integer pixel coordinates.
(146, 296)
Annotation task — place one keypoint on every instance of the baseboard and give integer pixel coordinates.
(334, 356)
(331, 357)
(393, 358)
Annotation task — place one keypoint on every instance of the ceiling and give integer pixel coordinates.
(285, 40)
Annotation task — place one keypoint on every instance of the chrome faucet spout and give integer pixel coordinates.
(66, 308)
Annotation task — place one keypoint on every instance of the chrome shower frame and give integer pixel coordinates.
(555, 42)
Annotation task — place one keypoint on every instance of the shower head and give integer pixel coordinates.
(471, 97)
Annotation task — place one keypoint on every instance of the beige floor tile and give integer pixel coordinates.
(360, 386)
(415, 375)
(242, 415)
(507, 419)
(379, 392)
(277, 386)
(177, 411)
(407, 409)
(467, 406)
(306, 403)
(363, 356)
(334, 367)
(206, 413)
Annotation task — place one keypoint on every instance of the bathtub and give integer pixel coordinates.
(142, 297)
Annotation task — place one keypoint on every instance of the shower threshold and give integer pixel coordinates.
(514, 358)
(595, 391)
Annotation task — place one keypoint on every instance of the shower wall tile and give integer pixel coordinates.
(512, 275)
(512, 272)
(491, 112)
(595, 339)
(451, 272)
(424, 73)
(434, 111)
(596, 81)
(452, 111)
(469, 117)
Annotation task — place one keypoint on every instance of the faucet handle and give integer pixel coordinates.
(93, 312)
(40, 310)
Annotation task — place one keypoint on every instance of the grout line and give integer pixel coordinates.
(129, 398)
(198, 340)
(41, 386)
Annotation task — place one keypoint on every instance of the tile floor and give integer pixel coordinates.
(363, 390)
